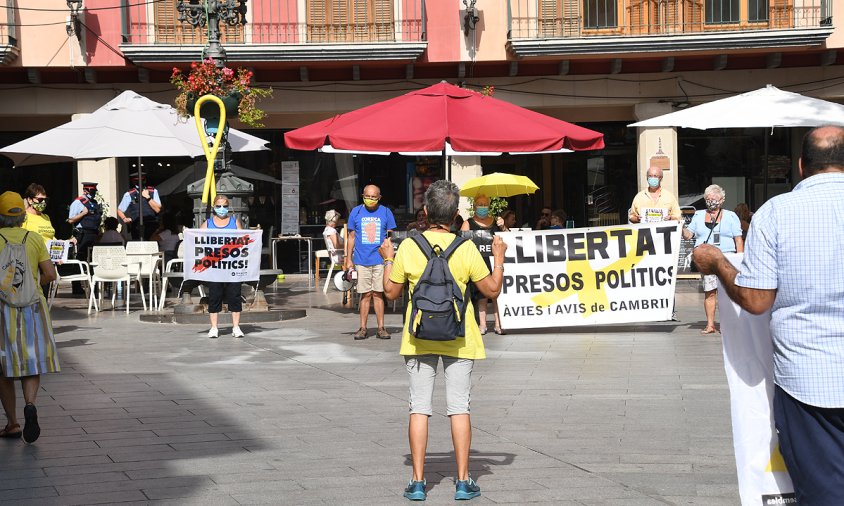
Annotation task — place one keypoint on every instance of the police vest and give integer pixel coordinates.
(138, 204)
(90, 221)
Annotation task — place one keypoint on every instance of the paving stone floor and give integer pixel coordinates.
(299, 413)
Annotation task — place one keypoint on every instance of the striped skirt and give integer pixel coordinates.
(27, 346)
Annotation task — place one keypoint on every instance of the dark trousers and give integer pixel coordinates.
(812, 445)
(85, 239)
(230, 292)
(149, 228)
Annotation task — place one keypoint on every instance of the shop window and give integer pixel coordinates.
(350, 21)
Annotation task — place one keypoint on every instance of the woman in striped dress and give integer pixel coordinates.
(27, 345)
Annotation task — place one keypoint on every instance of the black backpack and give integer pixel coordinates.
(437, 296)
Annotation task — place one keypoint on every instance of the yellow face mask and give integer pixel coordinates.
(370, 202)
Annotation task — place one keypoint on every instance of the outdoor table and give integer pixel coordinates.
(309, 240)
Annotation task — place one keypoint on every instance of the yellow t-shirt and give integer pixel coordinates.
(41, 225)
(666, 200)
(36, 248)
(466, 264)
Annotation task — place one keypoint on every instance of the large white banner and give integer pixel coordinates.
(222, 255)
(588, 276)
(749, 363)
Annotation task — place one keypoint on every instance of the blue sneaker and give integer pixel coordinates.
(466, 489)
(415, 490)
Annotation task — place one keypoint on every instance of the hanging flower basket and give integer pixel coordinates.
(212, 110)
(232, 86)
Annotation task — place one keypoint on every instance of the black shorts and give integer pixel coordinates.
(228, 292)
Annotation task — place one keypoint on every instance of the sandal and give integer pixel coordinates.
(31, 429)
(500, 332)
(483, 330)
(709, 330)
(11, 431)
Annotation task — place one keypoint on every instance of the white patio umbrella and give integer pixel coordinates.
(128, 126)
(767, 107)
(179, 181)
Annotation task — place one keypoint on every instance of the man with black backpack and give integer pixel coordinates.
(440, 324)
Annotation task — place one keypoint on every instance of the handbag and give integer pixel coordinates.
(692, 266)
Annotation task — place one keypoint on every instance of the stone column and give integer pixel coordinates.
(464, 168)
(104, 172)
(656, 146)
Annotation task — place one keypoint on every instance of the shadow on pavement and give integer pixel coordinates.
(440, 466)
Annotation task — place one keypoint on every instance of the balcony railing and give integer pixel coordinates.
(599, 18)
(279, 22)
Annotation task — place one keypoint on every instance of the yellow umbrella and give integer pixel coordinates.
(498, 184)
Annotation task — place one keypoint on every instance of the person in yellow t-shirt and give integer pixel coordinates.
(458, 356)
(35, 199)
(654, 203)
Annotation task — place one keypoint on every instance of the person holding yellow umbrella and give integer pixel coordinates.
(480, 189)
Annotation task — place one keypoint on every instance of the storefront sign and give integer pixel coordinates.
(589, 276)
(222, 255)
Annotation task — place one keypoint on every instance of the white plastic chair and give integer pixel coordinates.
(84, 277)
(144, 261)
(170, 271)
(336, 256)
(110, 267)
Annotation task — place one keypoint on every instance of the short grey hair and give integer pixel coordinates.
(12, 221)
(714, 189)
(441, 200)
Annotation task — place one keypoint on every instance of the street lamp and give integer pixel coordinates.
(73, 23)
(198, 12)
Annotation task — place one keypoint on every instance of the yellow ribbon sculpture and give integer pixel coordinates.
(209, 190)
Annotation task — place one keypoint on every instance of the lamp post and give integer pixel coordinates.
(73, 24)
(199, 12)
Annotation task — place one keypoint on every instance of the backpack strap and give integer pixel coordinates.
(456, 243)
(24, 237)
(424, 245)
(4, 238)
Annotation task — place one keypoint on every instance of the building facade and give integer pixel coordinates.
(600, 63)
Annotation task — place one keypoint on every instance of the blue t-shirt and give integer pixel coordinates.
(724, 233)
(370, 228)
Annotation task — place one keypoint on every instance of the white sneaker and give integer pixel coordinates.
(213, 333)
(236, 332)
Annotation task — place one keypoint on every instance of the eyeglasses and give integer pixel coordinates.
(39, 199)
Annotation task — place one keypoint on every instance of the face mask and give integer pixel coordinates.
(39, 206)
(221, 211)
(482, 212)
(370, 202)
(653, 182)
(92, 193)
(713, 204)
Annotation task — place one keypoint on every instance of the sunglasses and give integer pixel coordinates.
(221, 207)
(40, 199)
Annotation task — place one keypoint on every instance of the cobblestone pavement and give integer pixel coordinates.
(300, 413)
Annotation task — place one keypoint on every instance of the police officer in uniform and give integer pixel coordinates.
(85, 215)
(140, 199)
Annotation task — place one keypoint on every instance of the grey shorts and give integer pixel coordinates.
(422, 370)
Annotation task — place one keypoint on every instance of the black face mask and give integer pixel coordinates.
(91, 193)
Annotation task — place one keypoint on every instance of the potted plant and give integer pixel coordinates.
(232, 86)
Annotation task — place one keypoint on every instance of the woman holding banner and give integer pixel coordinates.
(721, 228)
(229, 291)
(482, 220)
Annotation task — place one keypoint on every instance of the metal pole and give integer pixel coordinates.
(140, 203)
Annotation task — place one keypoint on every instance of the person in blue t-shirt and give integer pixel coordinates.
(368, 227)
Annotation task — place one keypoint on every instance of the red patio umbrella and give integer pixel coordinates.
(429, 119)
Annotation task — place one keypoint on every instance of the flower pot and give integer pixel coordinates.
(211, 110)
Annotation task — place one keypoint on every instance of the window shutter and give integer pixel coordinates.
(692, 15)
(782, 14)
(636, 14)
(317, 11)
(549, 18)
(384, 22)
